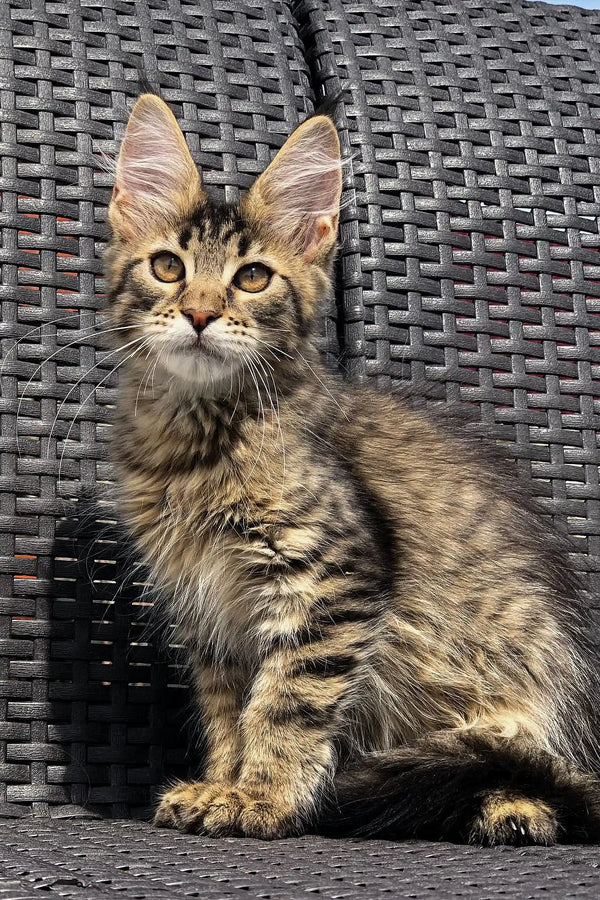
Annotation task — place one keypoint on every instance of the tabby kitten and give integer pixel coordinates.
(384, 638)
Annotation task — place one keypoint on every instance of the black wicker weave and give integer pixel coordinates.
(469, 259)
(470, 237)
(91, 712)
(84, 860)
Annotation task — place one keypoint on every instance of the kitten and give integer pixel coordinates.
(384, 638)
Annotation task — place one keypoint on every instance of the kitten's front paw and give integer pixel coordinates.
(200, 808)
(268, 819)
(175, 801)
(220, 810)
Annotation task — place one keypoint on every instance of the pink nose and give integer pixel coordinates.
(199, 319)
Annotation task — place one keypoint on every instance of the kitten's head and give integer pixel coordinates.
(210, 287)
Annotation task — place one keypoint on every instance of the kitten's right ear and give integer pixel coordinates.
(156, 177)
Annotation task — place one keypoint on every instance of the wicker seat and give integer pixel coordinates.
(469, 260)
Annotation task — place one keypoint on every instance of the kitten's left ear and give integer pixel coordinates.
(298, 195)
(156, 178)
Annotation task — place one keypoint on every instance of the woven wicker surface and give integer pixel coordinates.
(90, 710)
(470, 256)
(88, 859)
(470, 236)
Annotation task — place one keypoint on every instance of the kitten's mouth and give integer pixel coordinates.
(201, 347)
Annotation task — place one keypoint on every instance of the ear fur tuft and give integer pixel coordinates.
(299, 193)
(156, 178)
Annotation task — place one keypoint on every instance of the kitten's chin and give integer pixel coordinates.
(212, 377)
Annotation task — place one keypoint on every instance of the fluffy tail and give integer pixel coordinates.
(467, 790)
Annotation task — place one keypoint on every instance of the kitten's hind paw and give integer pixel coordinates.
(514, 819)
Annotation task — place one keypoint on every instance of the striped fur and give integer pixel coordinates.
(364, 594)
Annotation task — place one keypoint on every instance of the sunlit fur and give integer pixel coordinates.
(384, 636)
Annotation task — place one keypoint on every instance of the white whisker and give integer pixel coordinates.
(83, 377)
(46, 360)
(92, 392)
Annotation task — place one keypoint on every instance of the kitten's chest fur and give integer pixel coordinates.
(195, 493)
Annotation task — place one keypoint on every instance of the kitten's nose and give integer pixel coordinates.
(200, 318)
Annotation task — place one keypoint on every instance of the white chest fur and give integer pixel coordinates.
(228, 593)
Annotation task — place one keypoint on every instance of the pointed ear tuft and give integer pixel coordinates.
(156, 177)
(299, 193)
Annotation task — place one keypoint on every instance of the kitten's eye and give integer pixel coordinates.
(252, 278)
(167, 267)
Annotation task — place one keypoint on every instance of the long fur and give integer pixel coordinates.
(385, 636)
(435, 791)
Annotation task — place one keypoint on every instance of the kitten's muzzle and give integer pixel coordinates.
(199, 319)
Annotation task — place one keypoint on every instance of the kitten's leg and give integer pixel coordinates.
(288, 726)
(220, 691)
